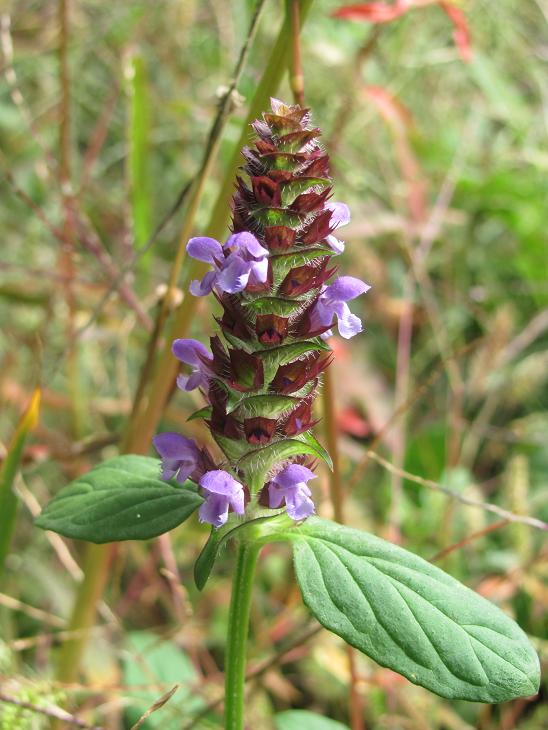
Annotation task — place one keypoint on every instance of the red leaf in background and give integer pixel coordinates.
(400, 122)
(372, 12)
(378, 13)
(351, 422)
(461, 31)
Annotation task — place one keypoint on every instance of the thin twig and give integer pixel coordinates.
(487, 506)
(468, 539)
(36, 613)
(91, 242)
(400, 410)
(156, 706)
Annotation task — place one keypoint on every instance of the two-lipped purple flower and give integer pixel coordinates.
(222, 492)
(182, 459)
(193, 353)
(332, 302)
(340, 216)
(241, 261)
(289, 486)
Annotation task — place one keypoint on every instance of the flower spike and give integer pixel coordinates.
(274, 279)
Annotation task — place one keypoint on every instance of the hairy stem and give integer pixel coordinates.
(238, 629)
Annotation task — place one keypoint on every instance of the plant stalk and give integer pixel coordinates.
(237, 632)
(97, 560)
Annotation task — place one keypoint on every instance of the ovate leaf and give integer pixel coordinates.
(121, 499)
(410, 616)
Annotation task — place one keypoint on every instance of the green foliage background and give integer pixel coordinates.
(144, 85)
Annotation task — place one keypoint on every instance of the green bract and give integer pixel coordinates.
(121, 499)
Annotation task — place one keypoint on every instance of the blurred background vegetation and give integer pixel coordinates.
(440, 151)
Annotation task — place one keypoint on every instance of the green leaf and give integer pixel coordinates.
(410, 616)
(206, 559)
(278, 217)
(121, 499)
(304, 720)
(204, 412)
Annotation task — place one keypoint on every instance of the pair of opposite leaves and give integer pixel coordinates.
(400, 610)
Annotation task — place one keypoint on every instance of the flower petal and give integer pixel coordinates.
(187, 350)
(258, 273)
(237, 502)
(322, 314)
(171, 445)
(246, 242)
(219, 481)
(340, 214)
(196, 380)
(335, 244)
(344, 289)
(205, 249)
(214, 510)
(292, 475)
(299, 506)
(204, 287)
(276, 495)
(234, 276)
(349, 324)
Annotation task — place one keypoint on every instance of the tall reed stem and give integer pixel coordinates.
(237, 632)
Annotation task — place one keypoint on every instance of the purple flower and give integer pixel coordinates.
(247, 262)
(290, 486)
(332, 302)
(180, 456)
(340, 216)
(222, 492)
(192, 352)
